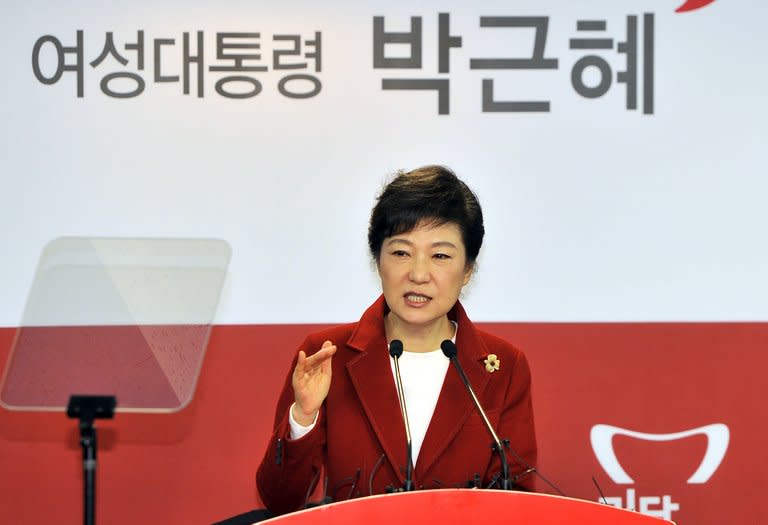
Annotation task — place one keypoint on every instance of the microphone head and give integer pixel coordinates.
(448, 348)
(396, 348)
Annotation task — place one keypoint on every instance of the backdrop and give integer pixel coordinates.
(613, 145)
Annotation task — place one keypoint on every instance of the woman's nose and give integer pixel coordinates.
(419, 271)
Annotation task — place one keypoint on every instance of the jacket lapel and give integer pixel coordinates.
(455, 404)
(372, 380)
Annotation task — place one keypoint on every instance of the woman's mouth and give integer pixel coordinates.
(416, 299)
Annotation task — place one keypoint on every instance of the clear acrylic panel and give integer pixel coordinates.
(114, 316)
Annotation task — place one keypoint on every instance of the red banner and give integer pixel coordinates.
(661, 414)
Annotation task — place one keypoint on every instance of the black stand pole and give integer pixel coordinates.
(88, 408)
(88, 442)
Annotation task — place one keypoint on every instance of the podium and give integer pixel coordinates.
(462, 506)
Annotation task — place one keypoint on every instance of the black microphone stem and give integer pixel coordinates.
(408, 486)
(396, 350)
(498, 445)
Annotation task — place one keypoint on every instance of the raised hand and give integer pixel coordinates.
(311, 383)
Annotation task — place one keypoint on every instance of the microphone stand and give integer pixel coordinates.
(396, 350)
(450, 351)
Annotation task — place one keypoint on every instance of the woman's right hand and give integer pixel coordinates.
(311, 382)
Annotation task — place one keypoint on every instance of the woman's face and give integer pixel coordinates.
(422, 272)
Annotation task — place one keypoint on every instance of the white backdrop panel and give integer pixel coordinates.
(593, 212)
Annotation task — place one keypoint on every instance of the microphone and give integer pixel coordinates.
(396, 350)
(450, 351)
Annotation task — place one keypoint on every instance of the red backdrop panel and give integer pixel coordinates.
(198, 465)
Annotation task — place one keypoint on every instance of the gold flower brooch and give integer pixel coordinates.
(492, 363)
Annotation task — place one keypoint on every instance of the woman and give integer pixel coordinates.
(338, 416)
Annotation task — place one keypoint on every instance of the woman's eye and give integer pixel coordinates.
(441, 256)
(400, 253)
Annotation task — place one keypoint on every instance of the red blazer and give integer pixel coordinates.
(358, 442)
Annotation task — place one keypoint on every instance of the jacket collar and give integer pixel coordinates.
(370, 328)
(373, 383)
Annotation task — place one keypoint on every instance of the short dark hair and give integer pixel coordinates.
(431, 194)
